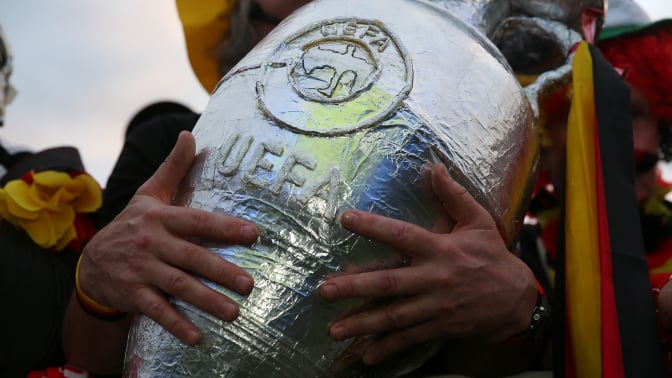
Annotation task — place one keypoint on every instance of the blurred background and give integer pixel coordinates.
(83, 68)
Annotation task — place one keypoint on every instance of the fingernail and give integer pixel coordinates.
(328, 291)
(249, 232)
(349, 218)
(229, 311)
(244, 284)
(337, 332)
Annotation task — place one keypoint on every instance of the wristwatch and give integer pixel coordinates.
(541, 312)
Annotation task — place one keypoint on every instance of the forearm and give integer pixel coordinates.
(664, 303)
(94, 345)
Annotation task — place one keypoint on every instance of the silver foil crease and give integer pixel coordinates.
(344, 106)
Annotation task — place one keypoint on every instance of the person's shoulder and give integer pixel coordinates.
(162, 124)
(63, 159)
(40, 180)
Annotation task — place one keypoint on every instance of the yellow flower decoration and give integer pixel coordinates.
(45, 205)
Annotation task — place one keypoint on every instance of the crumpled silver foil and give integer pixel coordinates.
(344, 106)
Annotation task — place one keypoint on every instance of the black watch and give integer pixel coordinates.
(540, 314)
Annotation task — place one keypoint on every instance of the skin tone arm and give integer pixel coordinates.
(144, 255)
(462, 281)
(665, 306)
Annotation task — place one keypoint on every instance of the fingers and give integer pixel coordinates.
(395, 342)
(201, 262)
(165, 180)
(405, 237)
(375, 284)
(176, 261)
(144, 253)
(206, 225)
(390, 317)
(456, 200)
(180, 284)
(157, 308)
(404, 324)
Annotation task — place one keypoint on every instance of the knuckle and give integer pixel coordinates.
(400, 232)
(177, 284)
(142, 240)
(191, 256)
(460, 191)
(453, 307)
(392, 317)
(444, 279)
(134, 269)
(457, 189)
(388, 283)
(154, 309)
(346, 288)
(152, 214)
(200, 220)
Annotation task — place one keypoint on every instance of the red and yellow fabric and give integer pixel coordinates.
(583, 288)
(610, 325)
(48, 206)
(66, 371)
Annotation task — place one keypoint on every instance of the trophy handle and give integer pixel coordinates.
(568, 12)
(538, 47)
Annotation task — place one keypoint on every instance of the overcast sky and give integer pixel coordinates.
(83, 68)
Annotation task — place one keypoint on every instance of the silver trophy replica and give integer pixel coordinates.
(343, 106)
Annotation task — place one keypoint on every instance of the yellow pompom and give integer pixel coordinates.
(45, 205)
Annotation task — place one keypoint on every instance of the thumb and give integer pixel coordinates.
(164, 182)
(456, 201)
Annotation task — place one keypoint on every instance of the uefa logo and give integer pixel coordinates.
(334, 70)
(335, 77)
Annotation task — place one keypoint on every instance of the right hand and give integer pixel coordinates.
(146, 254)
(462, 282)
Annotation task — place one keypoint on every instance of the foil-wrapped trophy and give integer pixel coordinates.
(343, 106)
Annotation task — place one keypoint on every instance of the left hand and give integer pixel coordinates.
(462, 281)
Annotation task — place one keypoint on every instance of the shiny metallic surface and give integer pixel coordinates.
(533, 44)
(343, 106)
(568, 12)
(486, 15)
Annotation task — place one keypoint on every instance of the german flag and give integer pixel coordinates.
(603, 289)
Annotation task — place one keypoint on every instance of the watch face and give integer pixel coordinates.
(541, 311)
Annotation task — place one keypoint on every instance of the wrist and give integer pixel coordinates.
(535, 323)
(91, 306)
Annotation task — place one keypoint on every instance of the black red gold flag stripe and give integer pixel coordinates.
(609, 325)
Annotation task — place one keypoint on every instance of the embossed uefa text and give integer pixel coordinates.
(342, 106)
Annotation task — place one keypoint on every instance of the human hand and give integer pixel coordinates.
(145, 253)
(665, 306)
(462, 281)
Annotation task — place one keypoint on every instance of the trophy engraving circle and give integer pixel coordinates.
(335, 77)
(334, 70)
